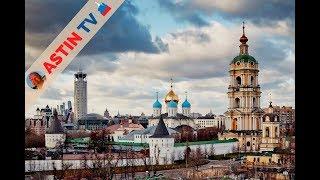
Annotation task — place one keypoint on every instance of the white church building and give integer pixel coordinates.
(172, 118)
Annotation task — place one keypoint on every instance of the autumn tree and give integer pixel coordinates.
(212, 150)
(145, 154)
(187, 152)
(99, 141)
(197, 158)
(33, 140)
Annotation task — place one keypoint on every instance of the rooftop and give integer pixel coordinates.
(93, 116)
(123, 126)
(55, 127)
(161, 130)
(150, 131)
(244, 58)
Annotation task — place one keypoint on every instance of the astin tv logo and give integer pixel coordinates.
(74, 39)
(103, 8)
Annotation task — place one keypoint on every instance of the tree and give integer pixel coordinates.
(94, 141)
(85, 167)
(212, 151)
(99, 141)
(112, 161)
(197, 157)
(33, 140)
(172, 158)
(144, 156)
(234, 149)
(64, 168)
(187, 152)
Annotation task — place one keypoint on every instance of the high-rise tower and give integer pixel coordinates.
(244, 112)
(69, 105)
(80, 95)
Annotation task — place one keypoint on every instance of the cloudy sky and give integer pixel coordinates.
(145, 43)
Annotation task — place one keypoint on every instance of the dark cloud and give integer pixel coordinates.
(45, 20)
(94, 63)
(260, 12)
(266, 12)
(183, 12)
(164, 47)
(273, 55)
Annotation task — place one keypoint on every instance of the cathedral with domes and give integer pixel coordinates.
(176, 114)
(172, 117)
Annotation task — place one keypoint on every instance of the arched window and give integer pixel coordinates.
(234, 124)
(237, 102)
(253, 102)
(238, 79)
(252, 80)
(252, 123)
(267, 131)
(248, 143)
(276, 131)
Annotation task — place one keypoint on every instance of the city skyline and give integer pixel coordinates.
(195, 49)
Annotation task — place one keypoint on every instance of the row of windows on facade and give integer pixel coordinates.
(237, 102)
(35, 123)
(91, 127)
(238, 63)
(209, 122)
(239, 81)
(41, 123)
(258, 160)
(141, 136)
(268, 132)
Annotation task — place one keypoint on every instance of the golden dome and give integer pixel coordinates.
(171, 96)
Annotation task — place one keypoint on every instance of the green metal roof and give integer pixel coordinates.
(78, 140)
(205, 142)
(244, 58)
(87, 140)
(130, 144)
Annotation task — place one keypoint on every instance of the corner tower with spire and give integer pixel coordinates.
(244, 112)
(161, 144)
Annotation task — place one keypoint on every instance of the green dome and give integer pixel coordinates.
(244, 58)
